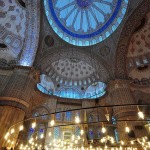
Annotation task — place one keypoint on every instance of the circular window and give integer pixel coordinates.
(49, 40)
(85, 22)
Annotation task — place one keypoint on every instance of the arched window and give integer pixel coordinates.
(58, 116)
(41, 132)
(91, 134)
(91, 118)
(99, 134)
(31, 131)
(68, 116)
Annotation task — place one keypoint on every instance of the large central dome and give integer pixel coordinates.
(85, 22)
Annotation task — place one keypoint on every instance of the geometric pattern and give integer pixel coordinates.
(56, 132)
(85, 22)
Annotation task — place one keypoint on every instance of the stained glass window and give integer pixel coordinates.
(68, 116)
(95, 90)
(77, 131)
(41, 131)
(56, 132)
(31, 131)
(91, 134)
(58, 116)
(69, 92)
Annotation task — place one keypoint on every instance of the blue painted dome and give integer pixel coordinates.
(85, 22)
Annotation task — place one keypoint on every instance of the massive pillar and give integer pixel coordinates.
(16, 86)
(28, 53)
(120, 94)
(9, 116)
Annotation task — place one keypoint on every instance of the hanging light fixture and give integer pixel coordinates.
(107, 115)
(52, 123)
(21, 128)
(82, 132)
(140, 113)
(33, 125)
(49, 134)
(122, 142)
(132, 142)
(6, 136)
(77, 119)
(127, 129)
(12, 131)
(103, 129)
(42, 136)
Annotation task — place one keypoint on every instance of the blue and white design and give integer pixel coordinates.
(85, 22)
(95, 90)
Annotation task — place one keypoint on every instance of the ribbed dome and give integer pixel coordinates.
(85, 22)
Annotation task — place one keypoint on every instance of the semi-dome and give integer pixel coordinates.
(85, 22)
(72, 74)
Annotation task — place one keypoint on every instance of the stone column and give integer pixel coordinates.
(120, 94)
(8, 117)
(15, 99)
(85, 128)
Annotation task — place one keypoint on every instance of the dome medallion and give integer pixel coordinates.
(84, 3)
(85, 22)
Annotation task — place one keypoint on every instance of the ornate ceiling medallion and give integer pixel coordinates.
(85, 22)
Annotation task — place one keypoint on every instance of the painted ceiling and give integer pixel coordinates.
(85, 22)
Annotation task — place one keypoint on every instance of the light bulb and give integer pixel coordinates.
(132, 142)
(82, 132)
(146, 137)
(76, 141)
(77, 119)
(90, 146)
(127, 129)
(52, 122)
(12, 142)
(12, 131)
(42, 136)
(107, 117)
(21, 128)
(122, 143)
(79, 137)
(6, 136)
(103, 130)
(8, 141)
(50, 134)
(141, 115)
(33, 125)
(102, 140)
(144, 140)
(112, 141)
(73, 137)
